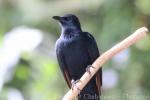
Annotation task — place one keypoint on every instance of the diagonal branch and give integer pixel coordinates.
(133, 38)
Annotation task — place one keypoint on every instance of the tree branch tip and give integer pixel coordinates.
(145, 29)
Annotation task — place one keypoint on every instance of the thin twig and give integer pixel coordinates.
(133, 38)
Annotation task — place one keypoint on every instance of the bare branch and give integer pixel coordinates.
(133, 38)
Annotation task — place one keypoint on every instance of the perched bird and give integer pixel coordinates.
(76, 50)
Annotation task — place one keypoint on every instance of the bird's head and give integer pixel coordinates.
(68, 21)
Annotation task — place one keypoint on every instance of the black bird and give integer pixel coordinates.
(76, 50)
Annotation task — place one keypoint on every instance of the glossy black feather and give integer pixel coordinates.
(75, 51)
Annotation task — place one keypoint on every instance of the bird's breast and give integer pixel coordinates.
(76, 56)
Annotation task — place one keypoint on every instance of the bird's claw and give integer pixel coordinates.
(88, 68)
(73, 82)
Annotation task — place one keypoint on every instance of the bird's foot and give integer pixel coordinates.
(73, 82)
(88, 68)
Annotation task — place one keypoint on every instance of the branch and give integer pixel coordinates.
(133, 38)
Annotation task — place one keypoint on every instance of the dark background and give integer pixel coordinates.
(28, 65)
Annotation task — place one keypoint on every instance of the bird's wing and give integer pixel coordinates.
(93, 54)
(99, 79)
(63, 66)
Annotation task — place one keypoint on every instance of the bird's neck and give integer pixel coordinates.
(70, 31)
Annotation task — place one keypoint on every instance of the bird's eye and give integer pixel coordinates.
(66, 18)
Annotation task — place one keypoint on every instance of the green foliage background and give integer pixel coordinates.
(37, 74)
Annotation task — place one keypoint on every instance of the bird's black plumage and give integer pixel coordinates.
(76, 50)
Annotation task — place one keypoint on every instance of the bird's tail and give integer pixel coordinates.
(89, 93)
(88, 96)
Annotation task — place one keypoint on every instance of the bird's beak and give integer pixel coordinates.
(57, 18)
